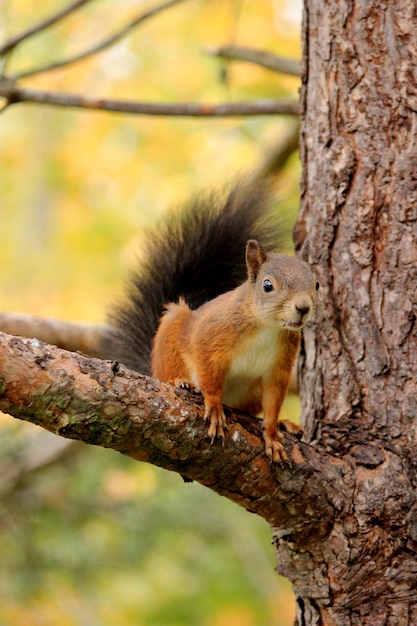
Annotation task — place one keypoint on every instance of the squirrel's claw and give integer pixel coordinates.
(218, 424)
(184, 384)
(274, 447)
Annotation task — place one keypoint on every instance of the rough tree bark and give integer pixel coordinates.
(359, 207)
(105, 404)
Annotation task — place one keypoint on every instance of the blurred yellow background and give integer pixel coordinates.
(95, 538)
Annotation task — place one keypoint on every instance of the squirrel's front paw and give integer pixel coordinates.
(274, 446)
(184, 384)
(218, 422)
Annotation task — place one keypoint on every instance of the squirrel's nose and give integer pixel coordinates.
(302, 309)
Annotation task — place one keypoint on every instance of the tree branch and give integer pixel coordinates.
(103, 45)
(42, 451)
(15, 94)
(272, 62)
(277, 157)
(73, 336)
(42, 25)
(102, 403)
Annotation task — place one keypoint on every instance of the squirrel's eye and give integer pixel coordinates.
(317, 285)
(268, 286)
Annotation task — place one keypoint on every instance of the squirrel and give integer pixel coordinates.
(190, 316)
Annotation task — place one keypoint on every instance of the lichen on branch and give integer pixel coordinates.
(102, 403)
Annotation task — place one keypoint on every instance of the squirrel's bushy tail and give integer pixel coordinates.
(195, 254)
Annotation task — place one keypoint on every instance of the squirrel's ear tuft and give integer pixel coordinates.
(304, 251)
(255, 258)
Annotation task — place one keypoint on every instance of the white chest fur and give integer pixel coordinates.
(257, 356)
(254, 361)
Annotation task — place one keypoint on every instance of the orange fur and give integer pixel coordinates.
(240, 347)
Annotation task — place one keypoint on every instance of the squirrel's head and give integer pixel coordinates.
(284, 287)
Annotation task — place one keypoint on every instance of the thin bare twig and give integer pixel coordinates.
(42, 25)
(276, 158)
(103, 45)
(15, 94)
(42, 451)
(258, 57)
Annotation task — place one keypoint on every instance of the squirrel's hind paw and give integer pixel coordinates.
(291, 428)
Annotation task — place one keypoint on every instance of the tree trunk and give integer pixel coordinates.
(345, 509)
(359, 366)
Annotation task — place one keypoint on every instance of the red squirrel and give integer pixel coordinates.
(192, 317)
